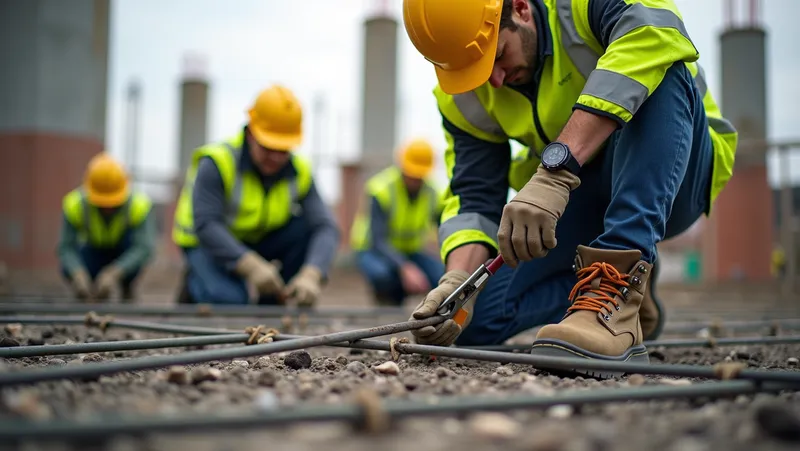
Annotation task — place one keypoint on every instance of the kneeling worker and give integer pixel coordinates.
(108, 233)
(388, 236)
(250, 213)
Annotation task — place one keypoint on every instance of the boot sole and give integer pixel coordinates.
(558, 348)
(659, 306)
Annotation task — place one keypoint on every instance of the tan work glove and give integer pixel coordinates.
(305, 286)
(528, 225)
(108, 278)
(81, 284)
(445, 333)
(262, 274)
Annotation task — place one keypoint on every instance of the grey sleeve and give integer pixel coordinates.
(325, 234)
(208, 201)
(379, 233)
(67, 250)
(142, 244)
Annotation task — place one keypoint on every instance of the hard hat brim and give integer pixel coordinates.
(463, 80)
(276, 141)
(107, 200)
(417, 171)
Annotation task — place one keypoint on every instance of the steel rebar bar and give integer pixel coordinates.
(233, 337)
(117, 323)
(202, 310)
(122, 345)
(670, 343)
(155, 362)
(103, 427)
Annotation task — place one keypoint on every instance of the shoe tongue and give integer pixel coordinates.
(621, 260)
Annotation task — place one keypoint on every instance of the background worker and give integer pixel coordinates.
(390, 233)
(108, 233)
(250, 213)
(626, 148)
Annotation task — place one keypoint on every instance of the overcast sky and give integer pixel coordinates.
(314, 47)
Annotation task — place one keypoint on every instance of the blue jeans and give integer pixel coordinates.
(94, 259)
(210, 283)
(384, 275)
(650, 183)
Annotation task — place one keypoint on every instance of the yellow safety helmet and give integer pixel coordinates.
(416, 159)
(458, 36)
(276, 119)
(105, 182)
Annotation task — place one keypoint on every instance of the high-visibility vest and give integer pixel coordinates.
(503, 114)
(409, 221)
(251, 211)
(97, 231)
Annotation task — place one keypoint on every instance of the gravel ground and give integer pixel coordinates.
(334, 375)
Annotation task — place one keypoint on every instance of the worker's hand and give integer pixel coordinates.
(444, 333)
(528, 225)
(262, 274)
(304, 287)
(81, 284)
(414, 281)
(108, 278)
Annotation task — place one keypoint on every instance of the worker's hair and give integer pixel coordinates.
(505, 17)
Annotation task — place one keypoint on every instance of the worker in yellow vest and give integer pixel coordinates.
(250, 213)
(399, 211)
(624, 147)
(108, 233)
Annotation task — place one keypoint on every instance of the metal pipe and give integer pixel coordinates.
(105, 427)
(163, 361)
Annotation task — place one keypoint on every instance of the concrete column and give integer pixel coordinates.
(52, 117)
(379, 95)
(739, 234)
(192, 133)
(194, 110)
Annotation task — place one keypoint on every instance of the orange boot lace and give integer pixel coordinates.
(611, 281)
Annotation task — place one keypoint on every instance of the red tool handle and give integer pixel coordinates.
(495, 264)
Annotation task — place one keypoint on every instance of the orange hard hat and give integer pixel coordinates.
(105, 182)
(458, 36)
(416, 159)
(276, 119)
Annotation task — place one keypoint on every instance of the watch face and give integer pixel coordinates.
(554, 156)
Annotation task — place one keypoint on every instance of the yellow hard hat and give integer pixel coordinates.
(276, 119)
(105, 182)
(416, 159)
(458, 36)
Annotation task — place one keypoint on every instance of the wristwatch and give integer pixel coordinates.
(556, 156)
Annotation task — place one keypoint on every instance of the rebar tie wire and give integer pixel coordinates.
(367, 410)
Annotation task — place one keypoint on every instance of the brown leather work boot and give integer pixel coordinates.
(651, 314)
(603, 320)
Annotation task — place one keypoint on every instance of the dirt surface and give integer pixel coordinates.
(332, 376)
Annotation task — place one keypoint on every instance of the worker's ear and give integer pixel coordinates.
(522, 11)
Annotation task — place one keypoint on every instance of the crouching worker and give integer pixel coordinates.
(107, 234)
(249, 213)
(400, 212)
